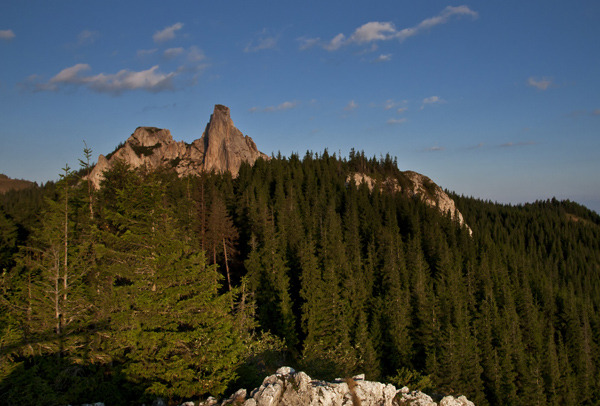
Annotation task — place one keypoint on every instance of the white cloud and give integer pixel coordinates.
(71, 74)
(307, 43)
(173, 52)
(167, 33)
(445, 15)
(286, 105)
(263, 42)
(351, 106)
(385, 30)
(432, 100)
(541, 84)
(396, 120)
(392, 104)
(373, 31)
(383, 58)
(150, 80)
(335, 43)
(7, 34)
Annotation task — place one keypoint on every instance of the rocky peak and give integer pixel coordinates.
(225, 147)
(221, 148)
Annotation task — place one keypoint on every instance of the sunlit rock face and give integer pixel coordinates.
(221, 148)
(414, 185)
(290, 388)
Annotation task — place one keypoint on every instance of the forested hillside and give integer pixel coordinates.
(156, 285)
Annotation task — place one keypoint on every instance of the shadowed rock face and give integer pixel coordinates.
(222, 148)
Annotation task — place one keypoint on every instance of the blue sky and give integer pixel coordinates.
(494, 99)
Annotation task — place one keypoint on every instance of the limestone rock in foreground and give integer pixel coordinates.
(222, 148)
(290, 388)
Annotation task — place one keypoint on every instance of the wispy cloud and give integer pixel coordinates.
(385, 30)
(335, 43)
(516, 144)
(540, 84)
(286, 105)
(478, 146)
(596, 112)
(391, 104)
(87, 37)
(167, 33)
(373, 31)
(263, 42)
(383, 58)
(7, 34)
(435, 148)
(307, 43)
(432, 100)
(145, 52)
(396, 120)
(195, 54)
(173, 52)
(116, 83)
(351, 106)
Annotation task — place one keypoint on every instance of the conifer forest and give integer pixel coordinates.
(155, 285)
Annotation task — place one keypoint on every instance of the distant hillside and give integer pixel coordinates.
(7, 184)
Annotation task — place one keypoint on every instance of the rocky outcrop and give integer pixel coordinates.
(434, 196)
(414, 185)
(221, 148)
(290, 388)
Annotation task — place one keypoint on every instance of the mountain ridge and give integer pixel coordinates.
(223, 147)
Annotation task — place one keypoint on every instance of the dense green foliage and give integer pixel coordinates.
(160, 286)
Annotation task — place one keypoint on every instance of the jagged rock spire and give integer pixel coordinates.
(221, 148)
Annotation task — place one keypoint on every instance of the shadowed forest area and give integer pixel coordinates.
(156, 285)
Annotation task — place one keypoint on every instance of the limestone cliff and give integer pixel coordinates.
(222, 147)
(413, 184)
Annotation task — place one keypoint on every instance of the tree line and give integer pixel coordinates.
(156, 285)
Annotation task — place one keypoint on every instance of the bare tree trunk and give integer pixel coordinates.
(203, 208)
(226, 264)
(66, 248)
(57, 293)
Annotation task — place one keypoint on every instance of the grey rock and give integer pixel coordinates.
(210, 401)
(451, 401)
(419, 186)
(221, 148)
(285, 371)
